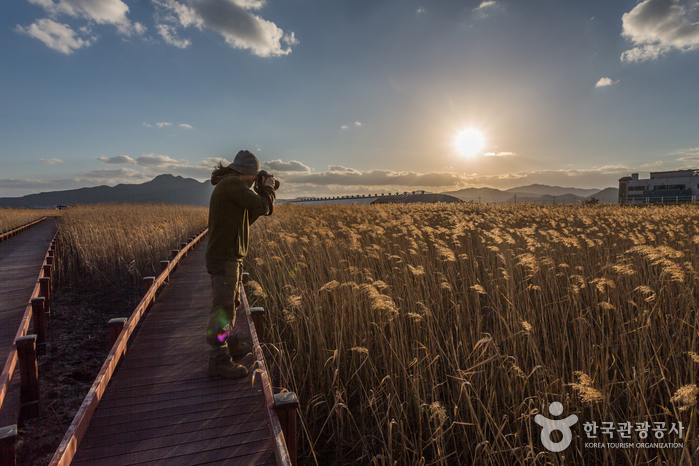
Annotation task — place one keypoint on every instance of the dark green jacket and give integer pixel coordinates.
(232, 209)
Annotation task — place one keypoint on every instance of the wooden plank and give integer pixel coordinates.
(113, 402)
(225, 435)
(193, 420)
(204, 450)
(249, 455)
(136, 412)
(136, 432)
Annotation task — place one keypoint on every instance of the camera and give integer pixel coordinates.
(260, 181)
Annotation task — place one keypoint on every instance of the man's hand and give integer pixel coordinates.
(269, 181)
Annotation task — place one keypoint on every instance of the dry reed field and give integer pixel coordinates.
(13, 218)
(120, 242)
(434, 334)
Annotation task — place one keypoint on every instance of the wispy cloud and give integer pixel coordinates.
(116, 160)
(51, 161)
(658, 26)
(112, 12)
(169, 34)
(485, 8)
(501, 154)
(164, 124)
(232, 19)
(56, 36)
(152, 160)
(420, 10)
(358, 123)
(115, 174)
(338, 175)
(62, 38)
(605, 82)
(274, 166)
(344, 127)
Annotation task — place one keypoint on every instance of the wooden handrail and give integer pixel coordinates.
(11, 361)
(21, 228)
(69, 445)
(281, 451)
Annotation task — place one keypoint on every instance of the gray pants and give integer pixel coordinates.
(225, 299)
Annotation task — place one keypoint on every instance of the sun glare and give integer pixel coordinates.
(469, 142)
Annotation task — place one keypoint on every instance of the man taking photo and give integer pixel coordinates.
(232, 209)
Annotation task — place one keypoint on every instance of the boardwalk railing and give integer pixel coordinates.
(25, 350)
(120, 333)
(11, 233)
(281, 408)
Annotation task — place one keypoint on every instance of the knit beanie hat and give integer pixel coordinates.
(246, 163)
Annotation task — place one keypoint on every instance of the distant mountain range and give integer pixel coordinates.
(169, 189)
(537, 193)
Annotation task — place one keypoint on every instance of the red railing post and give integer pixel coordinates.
(29, 378)
(163, 266)
(147, 283)
(47, 270)
(45, 290)
(175, 252)
(39, 317)
(115, 327)
(258, 320)
(286, 404)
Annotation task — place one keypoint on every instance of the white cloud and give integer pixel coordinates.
(55, 35)
(185, 125)
(343, 176)
(152, 160)
(485, 8)
(116, 160)
(232, 19)
(341, 169)
(275, 166)
(100, 11)
(420, 10)
(486, 4)
(147, 125)
(169, 35)
(358, 123)
(604, 82)
(163, 123)
(501, 154)
(115, 174)
(658, 26)
(344, 127)
(51, 161)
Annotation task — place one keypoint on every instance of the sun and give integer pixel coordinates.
(469, 142)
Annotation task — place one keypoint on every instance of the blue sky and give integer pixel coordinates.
(347, 96)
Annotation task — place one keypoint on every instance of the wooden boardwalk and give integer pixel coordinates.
(161, 408)
(21, 258)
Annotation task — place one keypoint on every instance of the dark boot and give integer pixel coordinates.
(236, 347)
(221, 365)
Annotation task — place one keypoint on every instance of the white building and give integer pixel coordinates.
(672, 187)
